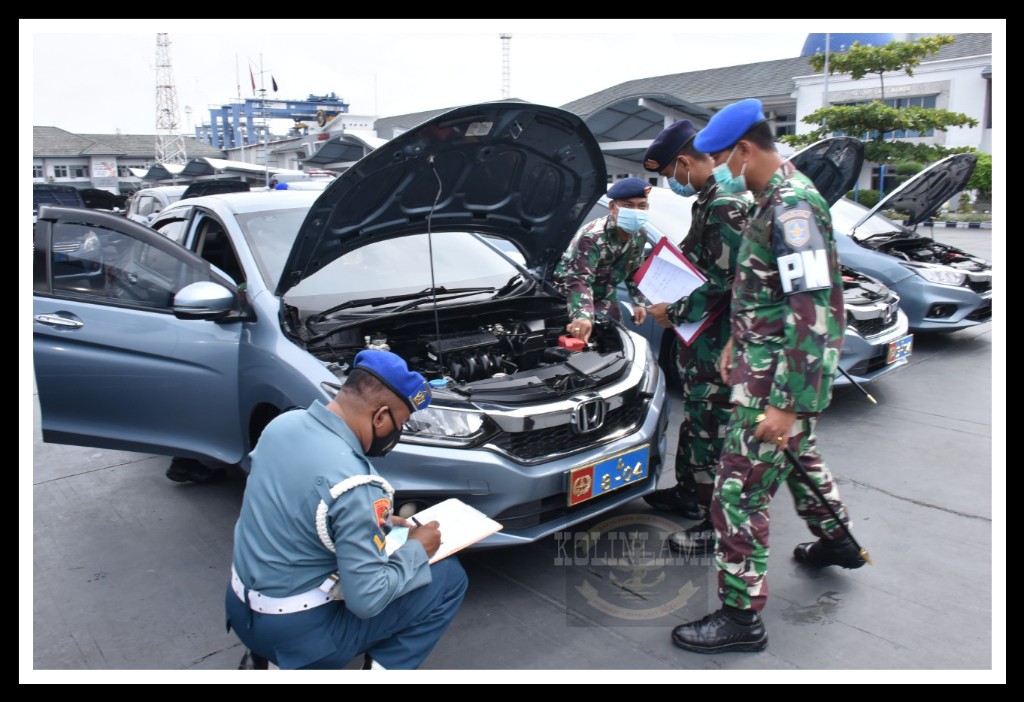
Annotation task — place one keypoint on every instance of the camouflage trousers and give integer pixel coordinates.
(750, 474)
(706, 410)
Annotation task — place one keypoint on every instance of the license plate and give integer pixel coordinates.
(900, 348)
(607, 475)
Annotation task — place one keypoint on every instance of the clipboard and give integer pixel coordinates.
(667, 276)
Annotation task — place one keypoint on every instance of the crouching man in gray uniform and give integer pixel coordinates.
(311, 583)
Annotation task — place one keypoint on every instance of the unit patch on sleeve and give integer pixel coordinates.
(382, 512)
(800, 250)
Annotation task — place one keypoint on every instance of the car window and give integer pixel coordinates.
(214, 245)
(95, 262)
(148, 204)
(270, 236)
(846, 213)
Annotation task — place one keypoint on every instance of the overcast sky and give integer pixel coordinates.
(98, 76)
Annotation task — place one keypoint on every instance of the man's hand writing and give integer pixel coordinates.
(428, 534)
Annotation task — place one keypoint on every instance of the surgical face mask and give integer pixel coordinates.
(727, 182)
(681, 190)
(630, 220)
(380, 445)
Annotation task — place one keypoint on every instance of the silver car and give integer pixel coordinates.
(236, 307)
(941, 287)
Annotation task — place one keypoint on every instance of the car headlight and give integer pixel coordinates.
(444, 425)
(940, 274)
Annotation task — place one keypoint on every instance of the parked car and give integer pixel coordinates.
(55, 194)
(190, 348)
(100, 199)
(149, 202)
(876, 341)
(941, 287)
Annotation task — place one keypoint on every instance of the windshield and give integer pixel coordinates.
(846, 213)
(380, 269)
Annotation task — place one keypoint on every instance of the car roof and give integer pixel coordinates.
(251, 201)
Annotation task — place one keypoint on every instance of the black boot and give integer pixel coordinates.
(675, 499)
(253, 661)
(183, 470)
(821, 553)
(698, 540)
(723, 631)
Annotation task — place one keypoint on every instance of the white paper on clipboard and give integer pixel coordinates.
(667, 276)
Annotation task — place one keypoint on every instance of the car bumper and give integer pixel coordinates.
(865, 359)
(531, 501)
(933, 307)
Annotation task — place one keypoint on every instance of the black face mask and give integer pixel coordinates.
(380, 445)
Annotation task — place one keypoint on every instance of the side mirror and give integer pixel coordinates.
(203, 300)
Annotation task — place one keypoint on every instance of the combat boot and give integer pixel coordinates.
(824, 552)
(726, 630)
(676, 499)
(698, 540)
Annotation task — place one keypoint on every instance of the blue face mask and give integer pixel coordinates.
(630, 220)
(727, 182)
(681, 190)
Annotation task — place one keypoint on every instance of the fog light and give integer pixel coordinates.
(941, 310)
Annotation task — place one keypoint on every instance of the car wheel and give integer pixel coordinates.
(667, 355)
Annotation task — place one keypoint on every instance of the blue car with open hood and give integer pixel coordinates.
(186, 337)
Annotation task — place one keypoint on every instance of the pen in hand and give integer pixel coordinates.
(415, 521)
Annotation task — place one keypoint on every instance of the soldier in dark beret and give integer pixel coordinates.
(711, 244)
(604, 253)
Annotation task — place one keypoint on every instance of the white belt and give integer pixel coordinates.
(259, 602)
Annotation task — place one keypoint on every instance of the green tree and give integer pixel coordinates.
(981, 179)
(873, 120)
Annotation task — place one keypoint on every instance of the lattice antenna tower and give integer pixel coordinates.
(506, 70)
(170, 144)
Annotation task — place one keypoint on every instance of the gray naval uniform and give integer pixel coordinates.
(394, 608)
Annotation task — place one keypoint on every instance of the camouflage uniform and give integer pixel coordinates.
(786, 351)
(712, 245)
(595, 263)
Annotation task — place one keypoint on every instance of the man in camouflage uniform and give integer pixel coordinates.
(711, 245)
(787, 328)
(604, 253)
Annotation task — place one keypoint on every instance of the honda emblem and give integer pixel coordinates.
(589, 416)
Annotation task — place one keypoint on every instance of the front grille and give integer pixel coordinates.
(982, 314)
(539, 443)
(873, 327)
(870, 365)
(979, 286)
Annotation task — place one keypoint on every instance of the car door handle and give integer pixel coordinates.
(55, 320)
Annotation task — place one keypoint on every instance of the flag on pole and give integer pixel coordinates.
(252, 78)
(273, 82)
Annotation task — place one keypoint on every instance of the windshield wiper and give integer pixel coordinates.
(452, 294)
(389, 299)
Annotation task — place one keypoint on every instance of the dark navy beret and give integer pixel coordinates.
(667, 144)
(727, 125)
(629, 187)
(391, 370)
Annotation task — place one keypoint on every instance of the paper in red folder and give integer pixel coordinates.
(667, 276)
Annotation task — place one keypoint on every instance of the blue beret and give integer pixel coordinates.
(629, 187)
(391, 370)
(667, 144)
(281, 186)
(728, 124)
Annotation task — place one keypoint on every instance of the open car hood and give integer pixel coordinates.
(523, 172)
(832, 164)
(920, 196)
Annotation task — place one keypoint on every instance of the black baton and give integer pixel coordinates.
(856, 384)
(795, 462)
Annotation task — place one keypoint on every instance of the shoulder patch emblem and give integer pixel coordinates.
(795, 225)
(382, 511)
